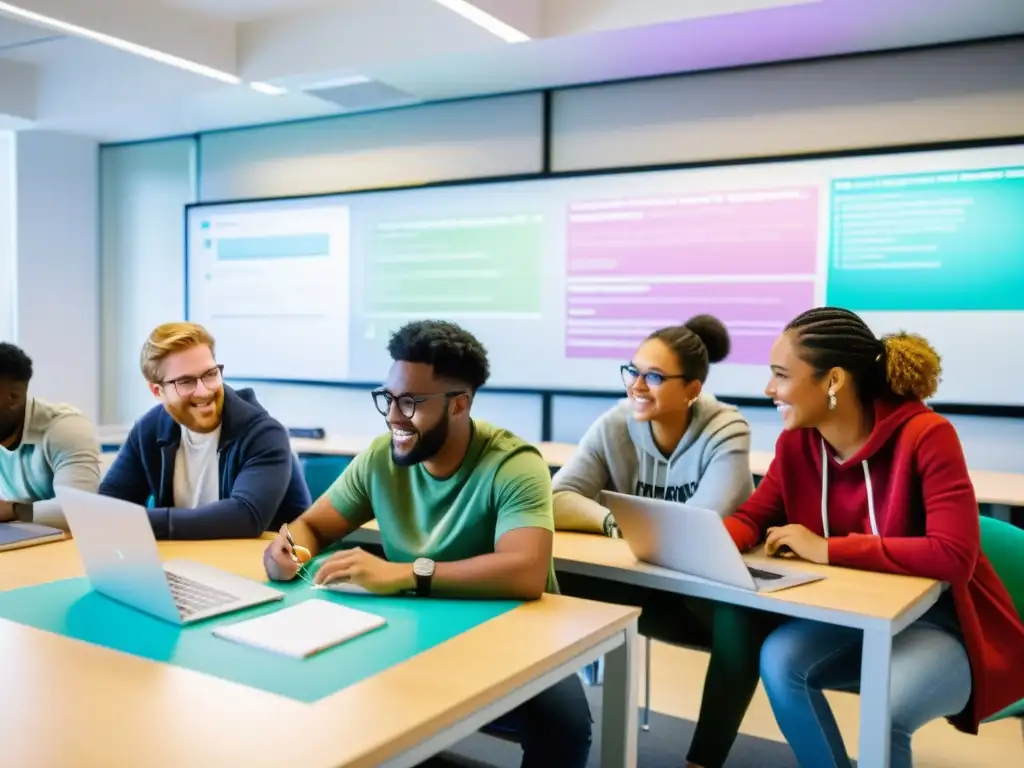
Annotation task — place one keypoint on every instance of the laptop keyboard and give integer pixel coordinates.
(757, 573)
(191, 597)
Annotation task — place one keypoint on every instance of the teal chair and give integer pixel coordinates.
(321, 471)
(1003, 545)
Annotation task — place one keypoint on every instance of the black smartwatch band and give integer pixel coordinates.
(23, 511)
(422, 586)
(423, 570)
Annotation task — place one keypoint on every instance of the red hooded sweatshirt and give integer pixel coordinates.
(903, 504)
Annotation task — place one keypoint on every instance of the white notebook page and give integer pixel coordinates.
(303, 629)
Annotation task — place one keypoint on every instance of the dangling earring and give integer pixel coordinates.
(831, 400)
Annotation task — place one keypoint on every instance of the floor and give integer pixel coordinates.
(677, 675)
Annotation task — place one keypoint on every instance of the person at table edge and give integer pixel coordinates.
(867, 476)
(674, 441)
(214, 462)
(464, 509)
(41, 445)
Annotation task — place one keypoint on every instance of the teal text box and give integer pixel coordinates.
(73, 609)
(934, 242)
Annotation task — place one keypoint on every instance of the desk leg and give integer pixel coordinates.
(875, 703)
(619, 708)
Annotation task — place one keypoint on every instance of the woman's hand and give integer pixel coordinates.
(800, 541)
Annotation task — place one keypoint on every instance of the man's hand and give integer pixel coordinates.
(280, 560)
(7, 511)
(356, 566)
(799, 540)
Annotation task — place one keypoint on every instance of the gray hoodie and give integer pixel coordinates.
(710, 467)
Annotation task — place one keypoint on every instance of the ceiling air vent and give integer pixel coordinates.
(360, 94)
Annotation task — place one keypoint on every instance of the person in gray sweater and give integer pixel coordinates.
(708, 467)
(671, 440)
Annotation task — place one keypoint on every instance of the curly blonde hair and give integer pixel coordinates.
(912, 366)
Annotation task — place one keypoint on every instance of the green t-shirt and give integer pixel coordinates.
(502, 484)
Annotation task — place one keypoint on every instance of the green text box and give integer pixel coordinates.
(477, 266)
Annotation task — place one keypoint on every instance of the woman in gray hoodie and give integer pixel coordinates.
(671, 440)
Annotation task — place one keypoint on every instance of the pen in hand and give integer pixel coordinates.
(297, 552)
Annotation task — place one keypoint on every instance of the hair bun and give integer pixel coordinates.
(912, 366)
(712, 331)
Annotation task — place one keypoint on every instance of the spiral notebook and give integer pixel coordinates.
(302, 630)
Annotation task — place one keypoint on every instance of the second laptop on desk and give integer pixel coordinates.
(693, 541)
(118, 549)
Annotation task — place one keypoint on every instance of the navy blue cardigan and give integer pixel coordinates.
(261, 481)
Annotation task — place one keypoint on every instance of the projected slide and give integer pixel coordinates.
(563, 278)
(459, 267)
(260, 277)
(747, 256)
(934, 242)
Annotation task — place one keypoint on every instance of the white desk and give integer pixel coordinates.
(57, 692)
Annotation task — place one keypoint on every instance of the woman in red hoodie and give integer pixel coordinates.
(867, 476)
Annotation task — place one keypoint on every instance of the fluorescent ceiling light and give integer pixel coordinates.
(492, 24)
(267, 88)
(116, 42)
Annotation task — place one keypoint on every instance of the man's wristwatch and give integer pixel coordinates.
(423, 570)
(22, 511)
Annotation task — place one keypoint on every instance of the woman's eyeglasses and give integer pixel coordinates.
(630, 374)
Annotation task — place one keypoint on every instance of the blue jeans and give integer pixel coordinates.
(931, 678)
(554, 728)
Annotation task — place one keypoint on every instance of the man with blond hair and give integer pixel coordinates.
(215, 464)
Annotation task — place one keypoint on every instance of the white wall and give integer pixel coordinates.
(142, 196)
(947, 94)
(406, 146)
(56, 228)
(7, 258)
(941, 95)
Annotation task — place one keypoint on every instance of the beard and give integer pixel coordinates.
(9, 430)
(427, 445)
(186, 413)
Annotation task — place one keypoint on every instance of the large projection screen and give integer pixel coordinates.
(562, 277)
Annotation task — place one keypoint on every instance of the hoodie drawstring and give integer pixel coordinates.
(648, 466)
(824, 492)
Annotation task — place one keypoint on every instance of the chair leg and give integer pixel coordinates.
(646, 724)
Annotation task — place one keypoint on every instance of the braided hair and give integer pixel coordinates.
(900, 365)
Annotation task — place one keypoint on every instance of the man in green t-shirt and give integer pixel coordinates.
(464, 510)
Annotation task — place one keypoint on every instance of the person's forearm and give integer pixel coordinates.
(49, 513)
(501, 575)
(574, 512)
(304, 536)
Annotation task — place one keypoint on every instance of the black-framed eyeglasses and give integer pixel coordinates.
(383, 399)
(187, 385)
(630, 374)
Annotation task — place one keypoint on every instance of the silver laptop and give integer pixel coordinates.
(119, 552)
(693, 541)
